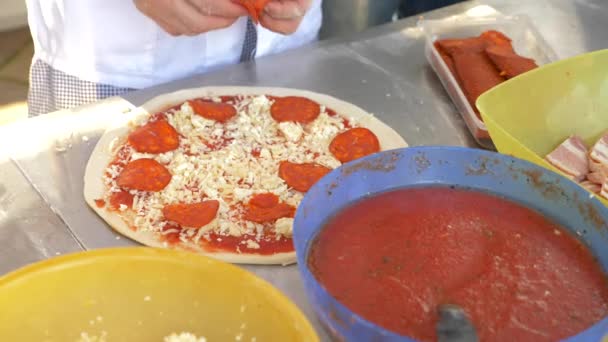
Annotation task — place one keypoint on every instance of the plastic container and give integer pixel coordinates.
(144, 294)
(528, 119)
(525, 39)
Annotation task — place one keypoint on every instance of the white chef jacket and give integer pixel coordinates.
(111, 42)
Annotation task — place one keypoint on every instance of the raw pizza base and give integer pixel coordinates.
(115, 135)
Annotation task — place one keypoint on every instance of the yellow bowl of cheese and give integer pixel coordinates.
(144, 294)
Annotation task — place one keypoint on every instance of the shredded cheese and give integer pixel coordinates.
(85, 337)
(184, 337)
(230, 162)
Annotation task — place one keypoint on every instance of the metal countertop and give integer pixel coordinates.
(383, 70)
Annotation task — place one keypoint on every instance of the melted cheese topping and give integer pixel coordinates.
(218, 161)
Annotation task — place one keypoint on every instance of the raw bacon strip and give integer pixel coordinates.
(302, 177)
(595, 166)
(477, 74)
(193, 215)
(144, 175)
(255, 8)
(571, 158)
(154, 137)
(295, 109)
(260, 209)
(591, 186)
(599, 172)
(599, 151)
(220, 112)
(354, 144)
(597, 177)
(508, 62)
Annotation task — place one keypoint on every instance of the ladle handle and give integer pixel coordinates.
(454, 325)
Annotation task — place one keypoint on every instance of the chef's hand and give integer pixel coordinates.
(191, 17)
(284, 16)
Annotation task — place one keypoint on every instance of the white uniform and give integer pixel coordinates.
(110, 42)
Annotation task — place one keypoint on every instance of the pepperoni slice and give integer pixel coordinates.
(255, 8)
(302, 177)
(220, 112)
(452, 46)
(154, 137)
(263, 208)
(354, 144)
(295, 108)
(193, 215)
(267, 200)
(492, 37)
(477, 75)
(508, 62)
(144, 175)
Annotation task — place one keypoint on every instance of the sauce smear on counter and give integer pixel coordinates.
(394, 257)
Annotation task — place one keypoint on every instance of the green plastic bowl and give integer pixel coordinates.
(529, 115)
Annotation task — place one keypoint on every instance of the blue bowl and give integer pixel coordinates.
(549, 193)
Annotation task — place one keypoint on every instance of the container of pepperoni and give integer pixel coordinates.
(384, 241)
(476, 51)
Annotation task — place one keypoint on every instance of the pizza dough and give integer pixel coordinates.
(103, 154)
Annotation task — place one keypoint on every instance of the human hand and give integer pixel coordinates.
(284, 16)
(191, 17)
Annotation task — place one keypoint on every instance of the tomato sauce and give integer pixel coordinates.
(100, 203)
(122, 155)
(268, 246)
(394, 257)
(123, 197)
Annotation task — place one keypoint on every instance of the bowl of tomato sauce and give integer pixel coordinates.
(383, 241)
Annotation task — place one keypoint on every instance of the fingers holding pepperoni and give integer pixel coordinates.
(353, 144)
(294, 109)
(144, 175)
(154, 137)
(193, 215)
(218, 111)
(264, 208)
(302, 177)
(254, 7)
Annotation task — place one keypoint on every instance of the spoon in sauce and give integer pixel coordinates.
(454, 325)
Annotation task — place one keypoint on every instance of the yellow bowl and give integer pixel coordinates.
(529, 115)
(144, 294)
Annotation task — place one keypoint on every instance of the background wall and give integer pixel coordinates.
(12, 14)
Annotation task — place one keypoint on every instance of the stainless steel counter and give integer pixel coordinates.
(42, 212)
